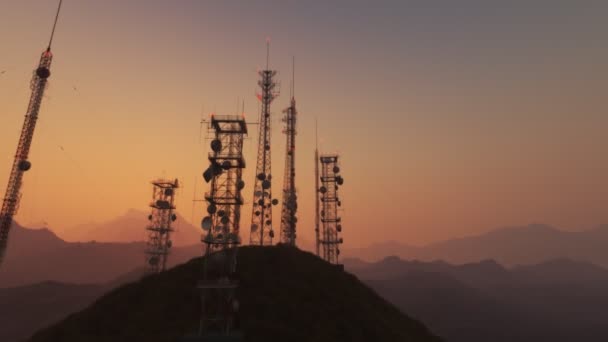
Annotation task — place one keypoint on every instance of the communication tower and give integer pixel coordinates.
(261, 213)
(221, 228)
(290, 198)
(159, 229)
(21, 164)
(331, 222)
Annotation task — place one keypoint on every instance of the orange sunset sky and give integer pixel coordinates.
(451, 119)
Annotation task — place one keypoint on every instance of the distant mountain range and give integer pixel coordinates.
(558, 300)
(130, 227)
(38, 255)
(509, 246)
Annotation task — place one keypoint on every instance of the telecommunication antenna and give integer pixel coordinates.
(221, 227)
(21, 164)
(159, 229)
(331, 180)
(261, 216)
(290, 197)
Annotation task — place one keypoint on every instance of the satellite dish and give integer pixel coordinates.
(337, 252)
(226, 165)
(163, 204)
(225, 220)
(221, 213)
(24, 165)
(271, 234)
(261, 202)
(257, 213)
(169, 244)
(261, 176)
(254, 227)
(173, 217)
(208, 174)
(275, 201)
(339, 228)
(168, 192)
(219, 237)
(336, 169)
(208, 238)
(206, 223)
(150, 217)
(340, 180)
(211, 209)
(258, 193)
(216, 145)
(217, 169)
(323, 189)
(341, 240)
(339, 203)
(240, 184)
(268, 222)
(266, 184)
(269, 177)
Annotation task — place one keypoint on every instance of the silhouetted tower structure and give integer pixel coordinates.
(290, 198)
(261, 216)
(159, 229)
(330, 220)
(317, 177)
(10, 205)
(221, 226)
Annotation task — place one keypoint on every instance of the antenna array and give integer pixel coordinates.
(222, 225)
(331, 222)
(159, 229)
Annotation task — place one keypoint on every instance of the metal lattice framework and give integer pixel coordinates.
(159, 229)
(21, 164)
(222, 226)
(261, 213)
(290, 198)
(331, 226)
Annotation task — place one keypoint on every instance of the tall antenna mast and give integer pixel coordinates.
(21, 162)
(290, 198)
(317, 232)
(159, 229)
(261, 216)
(332, 223)
(218, 285)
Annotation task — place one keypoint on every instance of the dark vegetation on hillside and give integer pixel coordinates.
(285, 295)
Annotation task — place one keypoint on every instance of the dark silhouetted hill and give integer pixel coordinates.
(558, 300)
(35, 256)
(509, 246)
(285, 295)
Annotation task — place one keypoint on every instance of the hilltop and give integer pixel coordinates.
(285, 295)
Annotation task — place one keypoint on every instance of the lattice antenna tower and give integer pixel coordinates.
(290, 198)
(317, 177)
(261, 213)
(159, 229)
(221, 227)
(21, 164)
(331, 222)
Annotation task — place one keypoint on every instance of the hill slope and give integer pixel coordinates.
(285, 295)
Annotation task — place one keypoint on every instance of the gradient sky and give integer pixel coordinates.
(452, 117)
